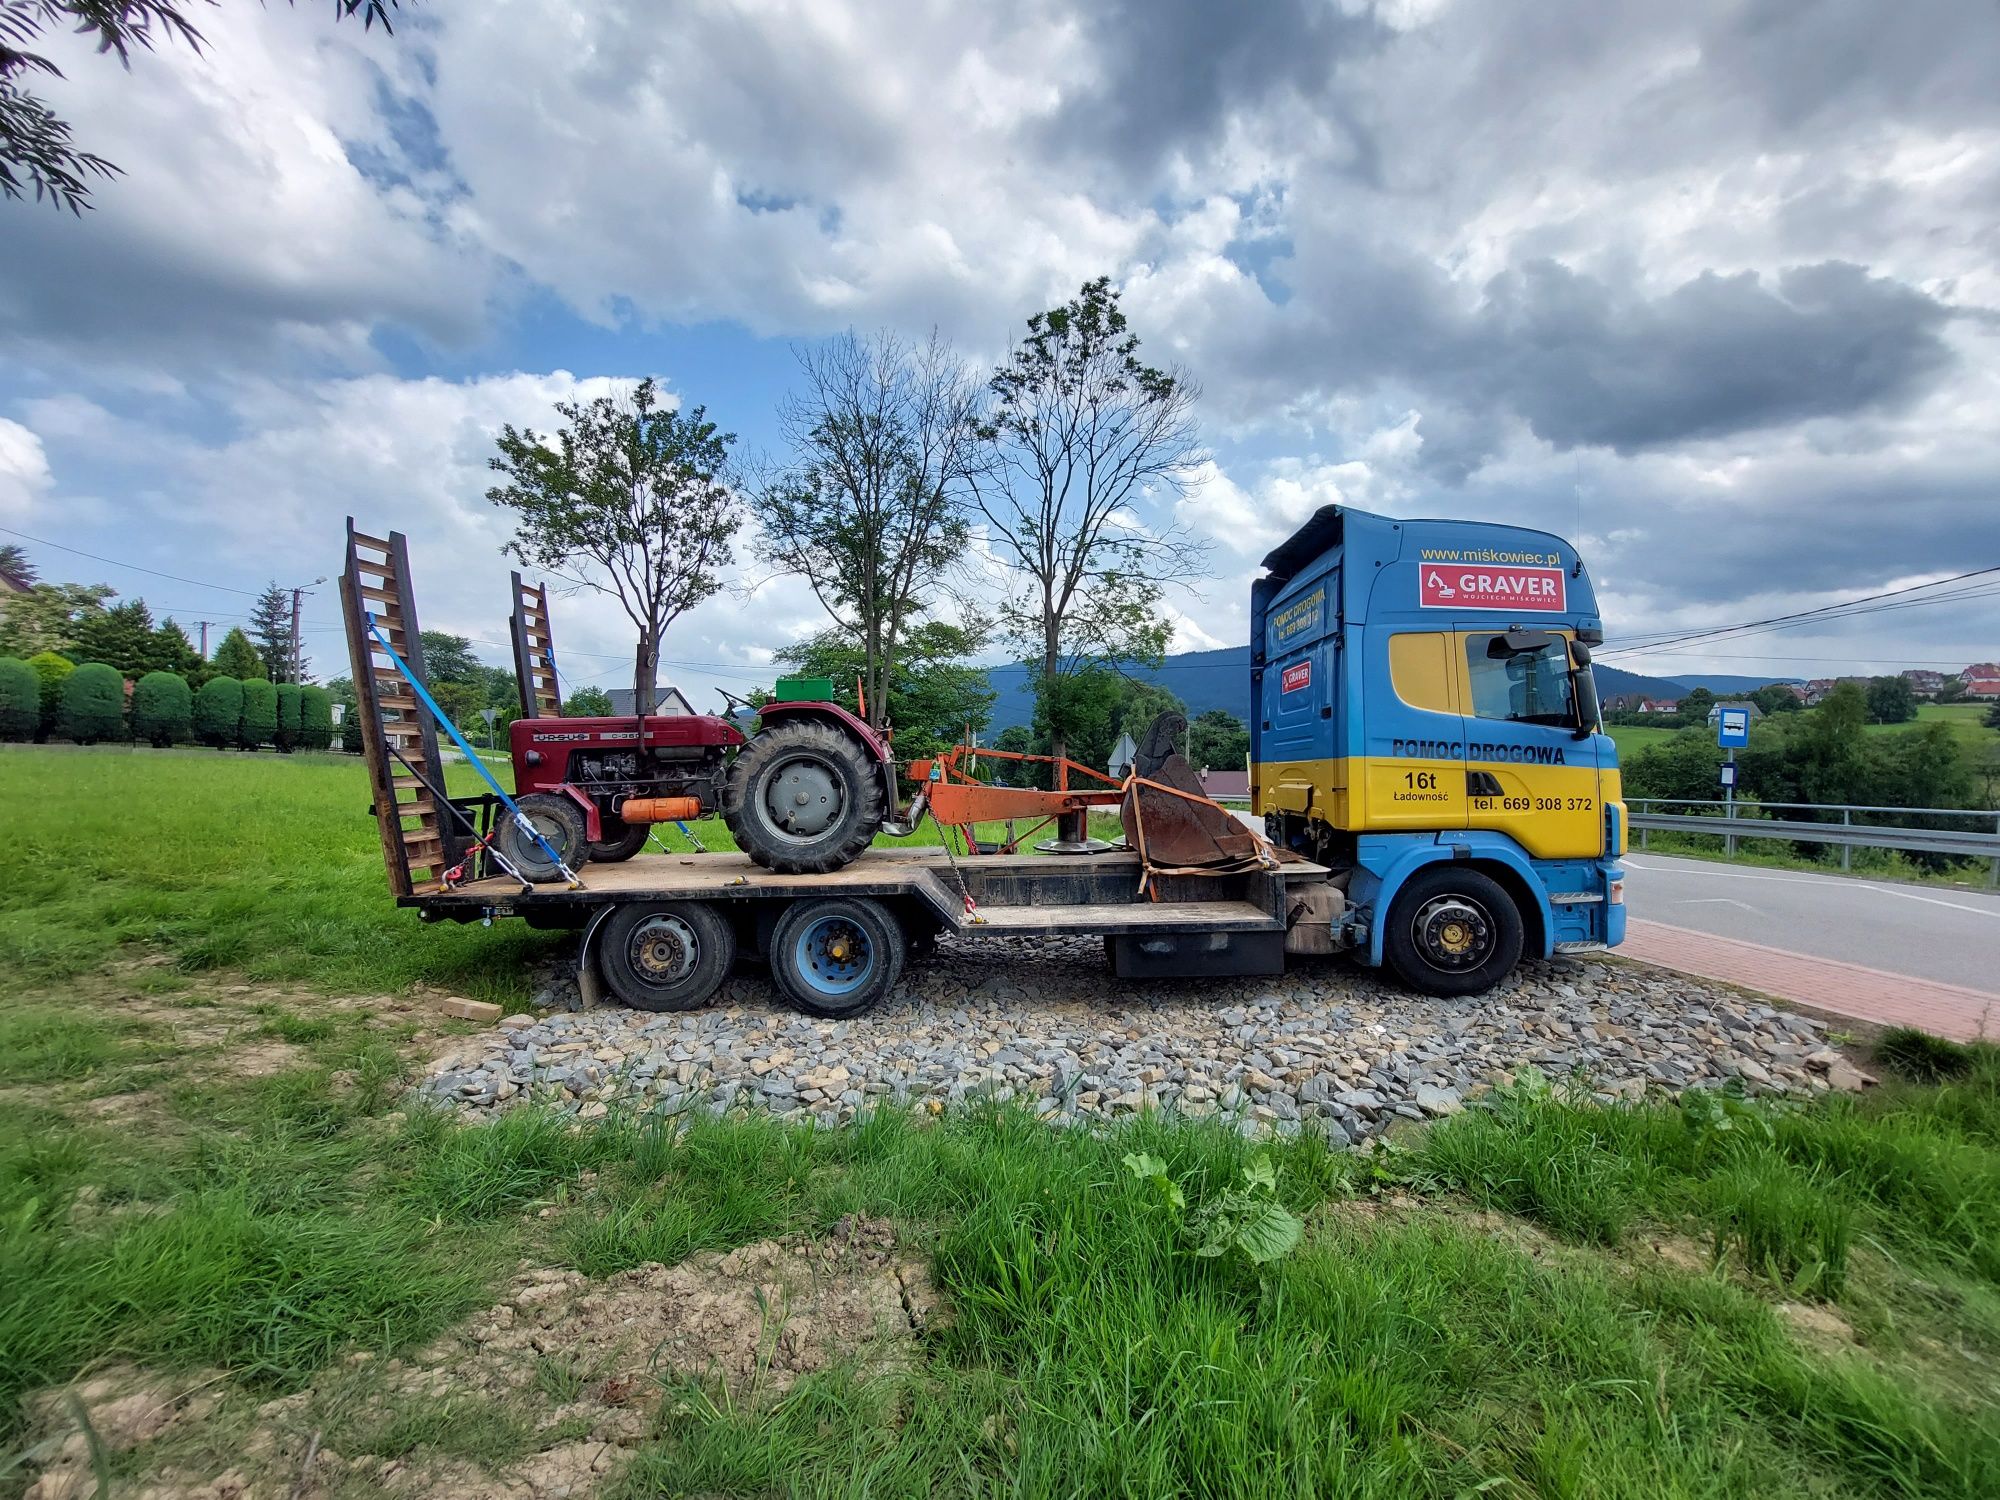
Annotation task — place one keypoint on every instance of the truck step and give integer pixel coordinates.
(1124, 917)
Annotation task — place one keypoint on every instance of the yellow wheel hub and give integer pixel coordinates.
(1456, 937)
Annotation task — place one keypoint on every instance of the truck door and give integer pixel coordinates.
(1298, 700)
(1527, 774)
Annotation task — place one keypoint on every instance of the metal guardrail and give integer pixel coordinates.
(1729, 823)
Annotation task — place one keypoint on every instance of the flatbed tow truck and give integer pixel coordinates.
(1437, 793)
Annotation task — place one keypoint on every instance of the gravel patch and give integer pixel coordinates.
(1327, 1046)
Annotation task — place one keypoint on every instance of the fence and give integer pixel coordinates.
(1729, 822)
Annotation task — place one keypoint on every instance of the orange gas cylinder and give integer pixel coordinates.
(659, 809)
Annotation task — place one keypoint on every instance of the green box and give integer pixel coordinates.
(804, 690)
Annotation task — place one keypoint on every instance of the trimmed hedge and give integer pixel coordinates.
(53, 670)
(315, 717)
(20, 699)
(218, 712)
(162, 709)
(350, 730)
(288, 715)
(260, 714)
(93, 704)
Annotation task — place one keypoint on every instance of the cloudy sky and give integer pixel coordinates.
(1712, 288)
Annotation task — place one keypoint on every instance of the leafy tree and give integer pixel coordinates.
(20, 699)
(218, 712)
(237, 658)
(885, 440)
(1086, 704)
(1776, 698)
(461, 702)
(1143, 703)
(587, 703)
(15, 568)
(1082, 430)
(630, 499)
(315, 717)
(1218, 741)
(173, 652)
(287, 736)
(1682, 767)
(1829, 748)
(271, 629)
(36, 149)
(935, 697)
(260, 714)
(53, 670)
(47, 617)
(93, 704)
(1890, 701)
(449, 658)
(162, 709)
(122, 636)
(1923, 767)
(1992, 719)
(1695, 706)
(350, 730)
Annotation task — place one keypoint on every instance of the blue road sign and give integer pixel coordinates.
(1732, 727)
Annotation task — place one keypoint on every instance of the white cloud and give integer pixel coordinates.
(24, 470)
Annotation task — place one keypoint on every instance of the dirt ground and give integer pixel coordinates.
(575, 1370)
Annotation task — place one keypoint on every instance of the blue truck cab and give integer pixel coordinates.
(1425, 723)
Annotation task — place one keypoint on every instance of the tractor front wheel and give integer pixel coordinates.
(802, 798)
(560, 823)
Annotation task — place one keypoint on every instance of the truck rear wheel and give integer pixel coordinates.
(802, 798)
(836, 957)
(670, 956)
(1452, 932)
(560, 823)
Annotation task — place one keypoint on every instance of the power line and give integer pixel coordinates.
(1845, 610)
(134, 567)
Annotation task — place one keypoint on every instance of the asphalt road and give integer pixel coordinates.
(1931, 932)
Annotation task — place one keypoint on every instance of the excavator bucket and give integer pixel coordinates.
(1177, 833)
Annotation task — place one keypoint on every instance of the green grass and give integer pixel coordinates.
(1632, 738)
(1474, 1310)
(1967, 721)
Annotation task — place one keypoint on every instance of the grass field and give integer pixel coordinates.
(206, 1172)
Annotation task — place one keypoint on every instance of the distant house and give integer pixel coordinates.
(1751, 709)
(1659, 705)
(1985, 685)
(672, 701)
(1924, 681)
(1226, 786)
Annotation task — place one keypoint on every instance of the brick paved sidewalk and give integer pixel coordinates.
(1825, 984)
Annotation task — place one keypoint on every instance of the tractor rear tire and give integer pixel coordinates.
(621, 840)
(560, 823)
(803, 798)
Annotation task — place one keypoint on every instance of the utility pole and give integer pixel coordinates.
(204, 624)
(298, 654)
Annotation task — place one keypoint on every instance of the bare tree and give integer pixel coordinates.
(635, 488)
(870, 508)
(1082, 431)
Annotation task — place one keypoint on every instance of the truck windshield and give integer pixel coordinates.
(1526, 687)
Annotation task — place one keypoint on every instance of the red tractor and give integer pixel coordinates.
(805, 794)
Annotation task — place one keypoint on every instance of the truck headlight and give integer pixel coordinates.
(1617, 893)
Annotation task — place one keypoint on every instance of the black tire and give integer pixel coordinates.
(836, 957)
(1452, 932)
(666, 956)
(559, 821)
(817, 778)
(622, 840)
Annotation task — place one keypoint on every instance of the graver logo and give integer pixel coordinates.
(1483, 586)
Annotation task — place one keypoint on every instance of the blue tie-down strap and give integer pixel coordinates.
(472, 756)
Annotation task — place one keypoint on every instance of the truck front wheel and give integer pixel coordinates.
(1452, 932)
(802, 798)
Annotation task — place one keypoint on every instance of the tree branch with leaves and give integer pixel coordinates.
(629, 498)
(1083, 432)
(870, 508)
